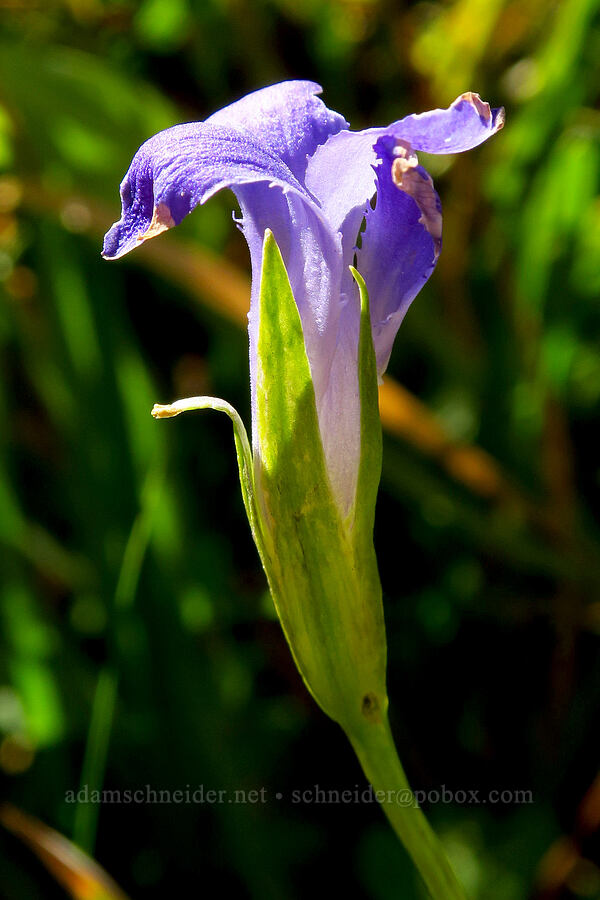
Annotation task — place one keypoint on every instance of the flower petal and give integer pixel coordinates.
(340, 174)
(401, 242)
(312, 255)
(339, 408)
(287, 119)
(185, 165)
(467, 122)
(181, 167)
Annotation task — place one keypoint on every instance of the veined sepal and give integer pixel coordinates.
(321, 569)
(369, 468)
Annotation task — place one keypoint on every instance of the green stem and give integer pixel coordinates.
(375, 748)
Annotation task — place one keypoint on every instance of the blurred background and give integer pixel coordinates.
(138, 644)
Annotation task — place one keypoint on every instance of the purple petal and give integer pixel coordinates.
(312, 255)
(340, 173)
(401, 242)
(181, 167)
(468, 122)
(287, 119)
(339, 407)
(246, 147)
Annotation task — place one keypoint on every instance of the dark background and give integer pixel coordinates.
(138, 644)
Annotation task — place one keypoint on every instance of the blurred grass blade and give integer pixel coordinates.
(139, 538)
(105, 698)
(96, 750)
(82, 877)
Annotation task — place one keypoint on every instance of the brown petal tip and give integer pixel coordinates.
(162, 220)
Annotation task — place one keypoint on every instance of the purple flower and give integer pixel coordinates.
(331, 197)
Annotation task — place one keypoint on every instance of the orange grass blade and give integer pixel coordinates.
(82, 877)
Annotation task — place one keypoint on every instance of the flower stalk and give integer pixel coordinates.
(376, 751)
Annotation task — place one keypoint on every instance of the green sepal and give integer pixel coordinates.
(242, 448)
(319, 572)
(369, 471)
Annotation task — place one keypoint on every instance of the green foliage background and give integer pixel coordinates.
(138, 646)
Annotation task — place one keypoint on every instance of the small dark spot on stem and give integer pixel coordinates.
(370, 707)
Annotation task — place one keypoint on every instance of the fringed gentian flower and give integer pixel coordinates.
(297, 170)
(344, 229)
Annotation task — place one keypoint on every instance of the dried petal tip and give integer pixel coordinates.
(162, 220)
(404, 159)
(412, 178)
(488, 116)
